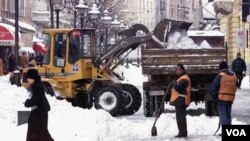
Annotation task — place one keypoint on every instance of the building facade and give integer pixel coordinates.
(231, 23)
(188, 10)
(27, 27)
(140, 11)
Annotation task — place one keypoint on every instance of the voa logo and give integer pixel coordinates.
(236, 132)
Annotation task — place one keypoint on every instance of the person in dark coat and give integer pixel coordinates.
(180, 98)
(38, 120)
(239, 66)
(39, 59)
(223, 91)
(12, 63)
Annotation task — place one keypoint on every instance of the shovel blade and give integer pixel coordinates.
(22, 117)
(154, 131)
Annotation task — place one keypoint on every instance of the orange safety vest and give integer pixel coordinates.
(175, 94)
(228, 87)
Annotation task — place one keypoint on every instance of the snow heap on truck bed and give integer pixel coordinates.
(195, 39)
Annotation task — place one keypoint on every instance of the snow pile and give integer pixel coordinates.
(180, 40)
(11, 100)
(68, 123)
(205, 44)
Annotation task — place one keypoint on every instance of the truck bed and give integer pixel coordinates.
(197, 61)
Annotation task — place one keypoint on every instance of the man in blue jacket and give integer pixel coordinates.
(223, 91)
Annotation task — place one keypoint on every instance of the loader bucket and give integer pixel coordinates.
(22, 117)
(166, 27)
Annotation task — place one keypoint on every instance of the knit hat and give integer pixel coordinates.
(238, 54)
(32, 74)
(181, 66)
(223, 65)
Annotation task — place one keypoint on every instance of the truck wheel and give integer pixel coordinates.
(109, 99)
(148, 106)
(133, 99)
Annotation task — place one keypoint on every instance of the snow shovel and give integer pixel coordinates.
(22, 117)
(154, 129)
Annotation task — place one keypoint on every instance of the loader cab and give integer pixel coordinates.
(68, 49)
(68, 46)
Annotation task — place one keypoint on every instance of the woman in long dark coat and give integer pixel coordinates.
(38, 120)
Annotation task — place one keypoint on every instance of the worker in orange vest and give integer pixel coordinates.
(180, 98)
(223, 91)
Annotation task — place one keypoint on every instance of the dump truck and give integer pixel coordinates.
(160, 57)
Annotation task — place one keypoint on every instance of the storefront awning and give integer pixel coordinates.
(22, 25)
(7, 35)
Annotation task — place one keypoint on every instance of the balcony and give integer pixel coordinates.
(41, 18)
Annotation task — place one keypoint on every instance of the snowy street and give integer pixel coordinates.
(67, 123)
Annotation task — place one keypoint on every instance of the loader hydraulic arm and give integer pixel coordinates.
(129, 42)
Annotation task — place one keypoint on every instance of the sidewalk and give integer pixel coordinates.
(241, 108)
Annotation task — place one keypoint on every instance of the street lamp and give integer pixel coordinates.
(106, 20)
(123, 26)
(82, 9)
(116, 25)
(57, 5)
(94, 12)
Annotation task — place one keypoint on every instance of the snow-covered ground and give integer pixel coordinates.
(67, 123)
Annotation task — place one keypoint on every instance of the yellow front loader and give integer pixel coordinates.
(72, 70)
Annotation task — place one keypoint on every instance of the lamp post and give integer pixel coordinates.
(106, 20)
(82, 9)
(56, 6)
(16, 30)
(116, 25)
(94, 13)
(16, 72)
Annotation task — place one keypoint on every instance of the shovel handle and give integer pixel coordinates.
(162, 102)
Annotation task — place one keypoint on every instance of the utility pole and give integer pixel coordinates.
(51, 14)
(16, 72)
(16, 30)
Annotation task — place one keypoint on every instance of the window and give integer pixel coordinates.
(12, 7)
(41, 5)
(162, 5)
(21, 8)
(46, 57)
(60, 49)
(79, 45)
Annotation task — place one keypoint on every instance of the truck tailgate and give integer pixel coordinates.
(197, 61)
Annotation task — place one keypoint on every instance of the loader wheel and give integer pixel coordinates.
(148, 104)
(109, 99)
(133, 99)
